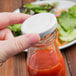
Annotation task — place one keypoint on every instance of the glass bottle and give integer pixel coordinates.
(44, 58)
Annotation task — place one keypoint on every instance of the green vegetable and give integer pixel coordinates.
(33, 7)
(40, 11)
(16, 29)
(67, 27)
(70, 36)
(40, 8)
(61, 31)
(67, 21)
(72, 11)
(66, 36)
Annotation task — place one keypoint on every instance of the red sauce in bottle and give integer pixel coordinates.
(46, 62)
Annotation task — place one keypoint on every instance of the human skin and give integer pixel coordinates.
(10, 45)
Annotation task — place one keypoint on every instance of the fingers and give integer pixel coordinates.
(9, 35)
(17, 45)
(6, 34)
(11, 18)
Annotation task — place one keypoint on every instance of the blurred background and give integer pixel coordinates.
(10, 5)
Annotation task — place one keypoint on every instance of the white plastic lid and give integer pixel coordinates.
(42, 23)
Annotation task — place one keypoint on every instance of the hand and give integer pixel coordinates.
(9, 45)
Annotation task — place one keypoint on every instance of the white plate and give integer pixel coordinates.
(17, 11)
(63, 4)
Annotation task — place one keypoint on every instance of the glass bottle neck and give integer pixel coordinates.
(46, 41)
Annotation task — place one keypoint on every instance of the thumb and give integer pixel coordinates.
(9, 48)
